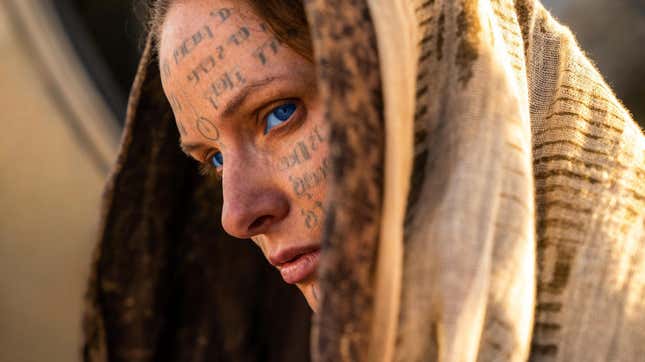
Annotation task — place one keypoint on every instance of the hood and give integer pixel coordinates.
(487, 203)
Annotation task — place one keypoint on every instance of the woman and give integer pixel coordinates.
(239, 95)
(442, 180)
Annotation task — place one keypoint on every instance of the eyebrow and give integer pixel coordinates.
(233, 105)
(187, 148)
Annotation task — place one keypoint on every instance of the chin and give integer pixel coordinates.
(311, 292)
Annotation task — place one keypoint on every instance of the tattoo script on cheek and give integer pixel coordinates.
(303, 185)
(165, 68)
(313, 217)
(301, 151)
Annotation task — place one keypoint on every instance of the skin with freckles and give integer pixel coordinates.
(247, 107)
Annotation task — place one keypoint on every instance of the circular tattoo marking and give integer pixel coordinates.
(207, 129)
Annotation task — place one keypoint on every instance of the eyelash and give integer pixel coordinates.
(206, 167)
(262, 118)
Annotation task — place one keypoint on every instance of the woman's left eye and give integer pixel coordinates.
(217, 160)
(279, 115)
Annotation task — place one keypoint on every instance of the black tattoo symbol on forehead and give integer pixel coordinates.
(190, 43)
(269, 48)
(207, 129)
(226, 82)
(204, 66)
(205, 32)
(240, 36)
(222, 14)
(209, 63)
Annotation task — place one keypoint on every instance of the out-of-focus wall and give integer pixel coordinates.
(49, 204)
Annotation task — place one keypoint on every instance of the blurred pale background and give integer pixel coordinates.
(50, 186)
(64, 74)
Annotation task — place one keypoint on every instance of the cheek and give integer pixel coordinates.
(304, 169)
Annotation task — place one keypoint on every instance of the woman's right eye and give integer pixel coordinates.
(217, 160)
(279, 115)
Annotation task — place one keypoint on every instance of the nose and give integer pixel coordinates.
(252, 202)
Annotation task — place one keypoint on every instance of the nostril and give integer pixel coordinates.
(250, 209)
(259, 223)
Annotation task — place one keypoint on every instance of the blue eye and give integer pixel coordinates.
(279, 115)
(217, 160)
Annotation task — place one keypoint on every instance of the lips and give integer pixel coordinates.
(296, 264)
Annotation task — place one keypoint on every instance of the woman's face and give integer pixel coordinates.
(248, 107)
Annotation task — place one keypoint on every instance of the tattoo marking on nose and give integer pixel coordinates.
(207, 129)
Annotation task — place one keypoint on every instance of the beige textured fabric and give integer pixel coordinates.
(524, 237)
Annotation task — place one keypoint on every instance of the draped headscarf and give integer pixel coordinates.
(487, 204)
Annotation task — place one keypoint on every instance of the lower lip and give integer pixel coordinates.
(300, 268)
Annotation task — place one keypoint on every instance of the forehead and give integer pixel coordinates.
(202, 38)
(212, 53)
(189, 22)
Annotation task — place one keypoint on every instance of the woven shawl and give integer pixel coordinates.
(487, 204)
